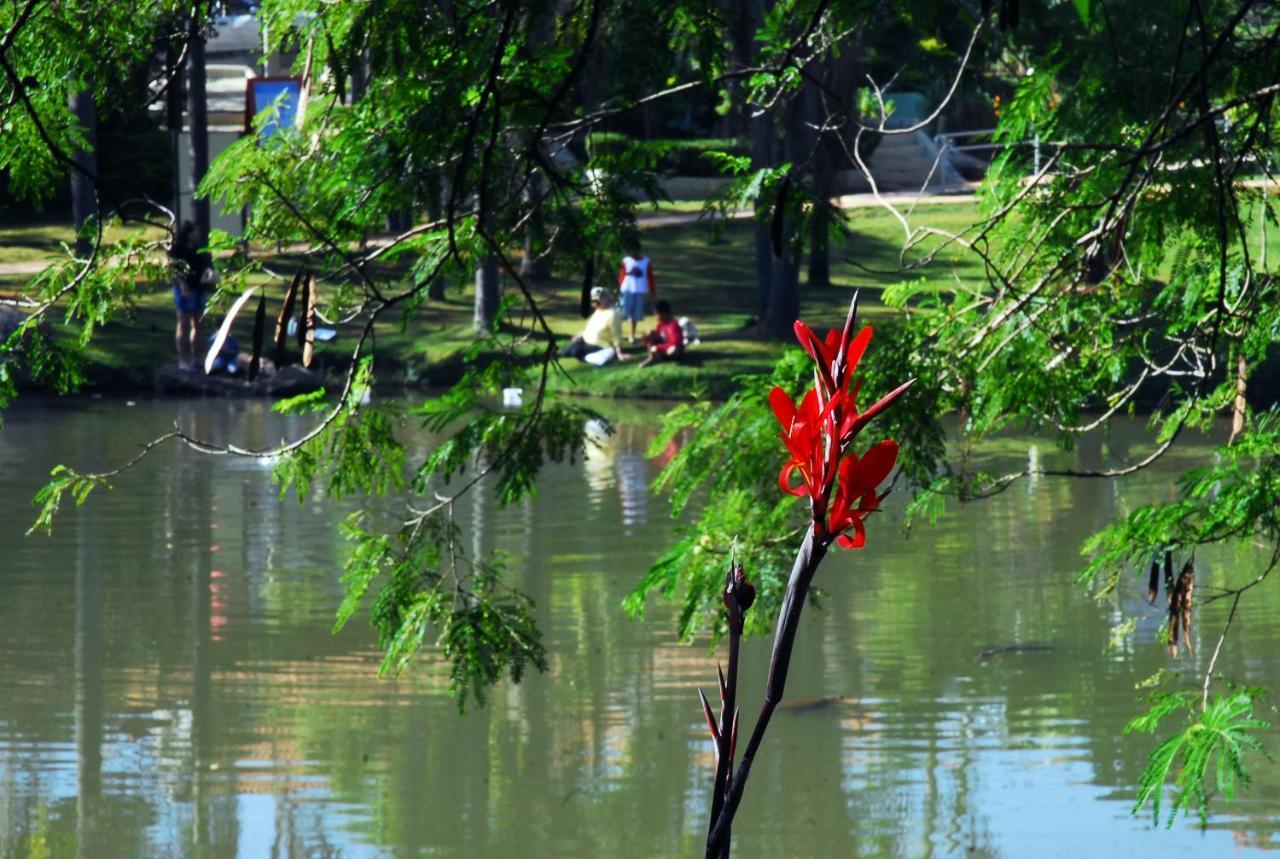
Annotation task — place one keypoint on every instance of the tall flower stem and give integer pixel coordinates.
(724, 749)
(810, 555)
(841, 487)
(739, 594)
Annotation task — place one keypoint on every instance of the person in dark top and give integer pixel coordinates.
(667, 342)
(191, 272)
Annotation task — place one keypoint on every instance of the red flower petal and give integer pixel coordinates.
(784, 408)
(880, 405)
(808, 340)
(857, 541)
(784, 481)
(808, 413)
(816, 351)
(831, 348)
(875, 466)
(856, 350)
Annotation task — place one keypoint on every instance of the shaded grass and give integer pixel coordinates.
(32, 243)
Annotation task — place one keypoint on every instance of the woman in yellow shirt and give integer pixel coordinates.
(602, 331)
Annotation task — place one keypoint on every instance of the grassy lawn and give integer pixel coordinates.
(706, 275)
(708, 278)
(33, 243)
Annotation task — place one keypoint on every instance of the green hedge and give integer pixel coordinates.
(667, 157)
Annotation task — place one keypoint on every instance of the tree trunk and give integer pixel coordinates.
(783, 307)
(84, 200)
(532, 264)
(762, 146)
(174, 97)
(820, 226)
(197, 110)
(359, 77)
(399, 220)
(486, 306)
(823, 177)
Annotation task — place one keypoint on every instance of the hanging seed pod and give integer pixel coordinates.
(1186, 587)
(304, 292)
(1153, 582)
(307, 321)
(286, 312)
(1180, 608)
(259, 334)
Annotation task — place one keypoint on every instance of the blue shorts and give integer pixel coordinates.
(632, 304)
(192, 302)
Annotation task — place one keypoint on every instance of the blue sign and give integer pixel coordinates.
(280, 97)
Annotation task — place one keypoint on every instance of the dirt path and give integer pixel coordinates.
(29, 267)
(848, 201)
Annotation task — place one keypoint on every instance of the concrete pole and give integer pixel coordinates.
(198, 113)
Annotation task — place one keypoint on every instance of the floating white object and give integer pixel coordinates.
(513, 397)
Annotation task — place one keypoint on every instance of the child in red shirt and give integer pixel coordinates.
(667, 342)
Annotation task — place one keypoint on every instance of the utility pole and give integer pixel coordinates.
(197, 110)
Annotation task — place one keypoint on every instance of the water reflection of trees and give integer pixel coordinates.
(194, 739)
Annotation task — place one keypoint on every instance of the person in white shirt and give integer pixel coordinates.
(602, 331)
(637, 285)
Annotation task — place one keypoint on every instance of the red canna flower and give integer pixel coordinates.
(819, 433)
(856, 496)
(802, 434)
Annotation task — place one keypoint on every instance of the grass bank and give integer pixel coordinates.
(706, 274)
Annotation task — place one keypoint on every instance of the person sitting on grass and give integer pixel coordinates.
(667, 342)
(602, 331)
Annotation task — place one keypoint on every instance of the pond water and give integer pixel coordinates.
(169, 684)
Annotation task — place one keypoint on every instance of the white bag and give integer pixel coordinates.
(689, 329)
(601, 357)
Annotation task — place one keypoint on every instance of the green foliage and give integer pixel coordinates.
(429, 589)
(679, 157)
(311, 401)
(460, 115)
(31, 356)
(513, 443)
(1206, 753)
(355, 451)
(61, 49)
(62, 480)
(693, 568)
(1234, 499)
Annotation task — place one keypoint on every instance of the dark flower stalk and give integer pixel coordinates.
(841, 487)
(738, 596)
